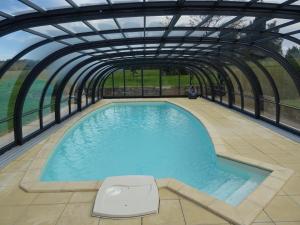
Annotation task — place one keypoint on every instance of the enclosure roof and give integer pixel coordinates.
(92, 38)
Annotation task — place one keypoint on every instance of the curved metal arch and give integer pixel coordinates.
(42, 99)
(146, 8)
(50, 58)
(81, 86)
(274, 88)
(30, 78)
(75, 82)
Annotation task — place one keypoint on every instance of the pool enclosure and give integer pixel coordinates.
(57, 57)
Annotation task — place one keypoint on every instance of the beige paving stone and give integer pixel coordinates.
(296, 198)
(16, 196)
(195, 214)
(78, 214)
(16, 166)
(282, 208)
(169, 213)
(80, 197)
(262, 217)
(288, 223)
(292, 187)
(9, 214)
(10, 179)
(165, 193)
(41, 215)
(133, 221)
(263, 223)
(52, 198)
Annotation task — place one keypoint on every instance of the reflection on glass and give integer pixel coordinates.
(76, 27)
(113, 36)
(243, 22)
(49, 30)
(51, 4)
(154, 33)
(290, 28)
(217, 21)
(104, 24)
(14, 7)
(198, 33)
(89, 2)
(272, 1)
(134, 34)
(131, 22)
(104, 49)
(93, 38)
(177, 33)
(190, 21)
(13, 43)
(276, 22)
(72, 41)
(158, 21)
(125, 1)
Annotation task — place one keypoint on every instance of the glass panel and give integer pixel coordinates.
(13, 43)
(290, 28)
(72, 41)
(125, 1)
(49, 30)
(108, 87)
(286, 87)
(184, 83)
(272, 1)
(118, 78)
(198, 33)
(90, 2)
(76, 27)
(131, 22)
(189, 21)
(12, 80)
(290, 116)
(247, 89)
(154, 33)
(177, 33)
(243, 22)
(151, 82)
(14, 7)
(104, 24)
(113, 36)
(133, 82)
(217, 21)
(170, 82)
(51, 4)
(276, 22)
(49, 97)
(134, 34)
(158, 21)
(93, 38)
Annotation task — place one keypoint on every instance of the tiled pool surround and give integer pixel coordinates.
(244, 213)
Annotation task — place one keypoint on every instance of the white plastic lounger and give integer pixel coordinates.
(127, 196)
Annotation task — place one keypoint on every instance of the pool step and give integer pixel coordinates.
(239, 194)
(226, 189)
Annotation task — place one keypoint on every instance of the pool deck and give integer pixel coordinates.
(276, 201)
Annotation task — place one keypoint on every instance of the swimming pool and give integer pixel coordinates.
(149, 138)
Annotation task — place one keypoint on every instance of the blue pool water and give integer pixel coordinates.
(149, 138)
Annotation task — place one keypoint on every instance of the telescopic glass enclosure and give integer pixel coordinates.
(59, 56)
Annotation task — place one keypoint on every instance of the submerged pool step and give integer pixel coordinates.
(226, 189)
(237, 196)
